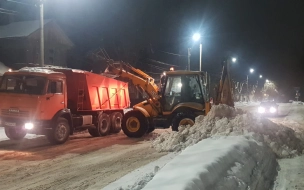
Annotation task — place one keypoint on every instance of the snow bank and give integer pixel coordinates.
(230, 163)
(223, 120)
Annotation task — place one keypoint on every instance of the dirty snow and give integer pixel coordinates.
(223, 120)
(230, 163)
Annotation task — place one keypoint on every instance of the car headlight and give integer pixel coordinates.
(272, 110)
(261, 110)
(29, 126)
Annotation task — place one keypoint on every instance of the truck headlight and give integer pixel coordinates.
(261, 110)
(273, 110)
(29, 126)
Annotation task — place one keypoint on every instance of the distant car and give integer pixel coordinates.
(268, 107)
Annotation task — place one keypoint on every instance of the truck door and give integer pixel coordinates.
(55, 99)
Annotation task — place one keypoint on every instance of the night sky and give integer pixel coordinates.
(267, 35)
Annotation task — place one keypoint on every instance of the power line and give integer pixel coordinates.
(7, 13)
(162, 63)
(156, 67)
(18, 2)
(172, 53)
(6, 10)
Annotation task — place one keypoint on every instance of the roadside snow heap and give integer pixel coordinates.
(223, 120)
(219, 163)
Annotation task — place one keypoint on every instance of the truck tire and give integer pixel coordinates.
(60, 133)
(104, 124)
(15, 133)
(182, 119)
(94, 132)
(134, 124)
(116, 119)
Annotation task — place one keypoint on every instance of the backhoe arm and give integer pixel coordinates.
(139, 78)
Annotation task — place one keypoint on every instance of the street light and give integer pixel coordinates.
(251, 70)
(197, 37)
(233, 59)
(267, 80)
(261, 76)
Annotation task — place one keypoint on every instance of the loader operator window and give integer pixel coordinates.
(55, 87)
(179, 89)
(23, 84)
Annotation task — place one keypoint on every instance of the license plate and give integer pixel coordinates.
(10, 124)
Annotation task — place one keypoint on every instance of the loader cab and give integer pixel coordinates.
(182, 87)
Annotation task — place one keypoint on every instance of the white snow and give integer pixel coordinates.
(229, 163)
(223, 120)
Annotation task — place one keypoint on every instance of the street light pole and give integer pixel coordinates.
(189, 54)
(41, 35)
(200, 55)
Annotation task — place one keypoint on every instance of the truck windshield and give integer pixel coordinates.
(23, 84)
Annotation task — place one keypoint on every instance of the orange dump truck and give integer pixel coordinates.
(56, 102)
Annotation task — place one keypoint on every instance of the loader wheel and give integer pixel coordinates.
(93, 132)
(104, 124)
(15, 133)
(60, 133)
(116, 119)
(134, 124)
(182, 119)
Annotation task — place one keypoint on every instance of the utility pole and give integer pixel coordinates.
(41, 35)
(200, 56)
(189, 54)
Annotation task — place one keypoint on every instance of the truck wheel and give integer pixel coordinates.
(116, 119)
(150, 130)
(182, 119)
(15, 133)
(60, 133)
(93, 132)
(104, 124)
(134, 124)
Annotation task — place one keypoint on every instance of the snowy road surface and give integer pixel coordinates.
(81, 163)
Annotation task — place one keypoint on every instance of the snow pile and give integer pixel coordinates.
(223, 120)
(230, 163)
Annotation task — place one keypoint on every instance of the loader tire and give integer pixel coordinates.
(135, 124)
(15, 133)
(60, 133)
(104, 124)
(182, 119)
(116, 119)
(150, 130)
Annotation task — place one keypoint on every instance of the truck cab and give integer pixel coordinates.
(30, 100)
